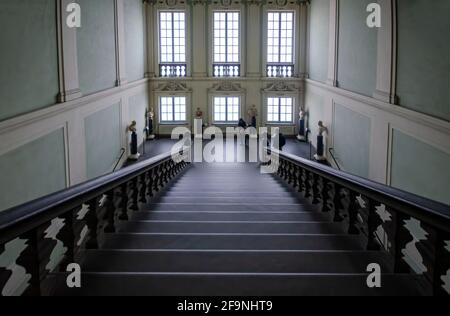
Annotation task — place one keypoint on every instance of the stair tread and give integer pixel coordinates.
(192, 261)
(228, 216)
(238, 242)
(142, 284)
(229, 207)
(232, 227)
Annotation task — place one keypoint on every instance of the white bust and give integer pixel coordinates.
(322, 129)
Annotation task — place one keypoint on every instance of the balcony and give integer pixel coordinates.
(172, 70)
(226, 70)
(280, 70)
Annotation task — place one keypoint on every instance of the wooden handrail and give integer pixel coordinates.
(31, 220)
(330, 187)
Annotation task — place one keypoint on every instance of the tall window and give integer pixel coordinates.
(226, 109)
(226, 44)
(172, 44)
(280, 109)
(173, 109)
(280, 44)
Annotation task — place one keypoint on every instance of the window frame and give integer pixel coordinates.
(172, 12)
(279, 121)
(214, 12)
(226, 97)
(173, 121)
(279, 62)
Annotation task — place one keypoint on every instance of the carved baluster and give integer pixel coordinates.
(123, 216)
(161, 176)
(289, 173)
(67, 236)
(150, 183)
(441, 263)
(353, 211)
(135, 195)
(373, 222)
(280, 168)
(337, 201)
(402, 238)
(166, 172)
(316, 189)
(295, 176)
(301, 180)
(92, 224)
(143, 190)
(5, 275)
(30, 261)
(326, 195)
(110, 212)
(156, 179)
(307, 184)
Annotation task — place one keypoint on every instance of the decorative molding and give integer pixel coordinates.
(69, 85)
(227, 86)
(119, 21)
(333, 43)
(172, 86)
(280, 87)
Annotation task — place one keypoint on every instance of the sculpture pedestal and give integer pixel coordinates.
(134, 154)
(320, 156)
(301, 131)
(198, 128)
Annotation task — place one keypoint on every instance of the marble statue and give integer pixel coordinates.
(150, 118)
(301, 126)
(320, 156)
(134, 154)
(252, 114)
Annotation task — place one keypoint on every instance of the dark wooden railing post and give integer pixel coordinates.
(135, 195)
(301, 181)
(156, 179)
(5, 275)
(402, 238)
(150, 183)
(353, 210)
(123, 216)
(337, 201)
(325, 196)
(307, 184)
(30, 261)
(110, 212)
(92, 224)
(143, 190)
(441, 263)
(67, 236)
(373, 222)
(316, 189)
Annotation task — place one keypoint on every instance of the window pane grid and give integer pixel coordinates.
(280, 37)
(173, 109)
(226, 109)
(280, 110)
(172, 37)
(226, 37)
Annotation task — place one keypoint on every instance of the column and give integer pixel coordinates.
(199, 48)
(69, 85)
(254, 34)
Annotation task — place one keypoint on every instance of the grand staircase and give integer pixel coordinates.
(166, 226)
(227, 229)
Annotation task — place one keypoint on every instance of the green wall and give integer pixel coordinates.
(423, 76)
(315, 106)
(102, 141)
(420, 168)
(28, 56)
(352, 140)
(96, 46)
(33, 170)
(357, 53)
(137, 107)
(319, 38)
(134, 39)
